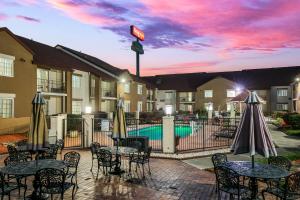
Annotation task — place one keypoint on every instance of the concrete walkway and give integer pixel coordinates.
(284, 144)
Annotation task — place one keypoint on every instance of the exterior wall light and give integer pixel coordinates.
(123, 80)
(88, 109)
(297, 79)
(168, 110)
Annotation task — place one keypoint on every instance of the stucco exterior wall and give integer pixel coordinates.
(23, 83)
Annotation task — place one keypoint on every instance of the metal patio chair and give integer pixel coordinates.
(71, 161)
(141, 158)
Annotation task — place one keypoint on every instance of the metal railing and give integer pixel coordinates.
(102, 131)
(108, 93)
(186, 99)
(204, 134)
(74, 132)
(45, 85)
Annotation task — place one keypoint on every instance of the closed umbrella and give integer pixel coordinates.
(119, 129)
(38, 135)
(252, 134)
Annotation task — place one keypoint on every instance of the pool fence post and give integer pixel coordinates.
(137, 119)
(88, 129)
(168, 134)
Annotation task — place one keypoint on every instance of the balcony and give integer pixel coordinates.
(45, 85)
(151, 98)
(108, 93)
(186, 99)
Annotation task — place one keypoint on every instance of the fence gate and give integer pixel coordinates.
(73, 132)
(102, 131)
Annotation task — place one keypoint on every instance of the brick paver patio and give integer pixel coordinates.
(170, 179)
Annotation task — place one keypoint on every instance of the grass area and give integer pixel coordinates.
(291, 155)
(293, 132)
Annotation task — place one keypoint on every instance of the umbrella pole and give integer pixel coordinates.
(252, 161)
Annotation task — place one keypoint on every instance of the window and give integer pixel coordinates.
(139, 89)
(6, 65)
(228, 106)
(6, 107)
(169, 95)
(76, 81)
(208, 106)
(140, 106)
(282, 106)
(208, 93)
(126, 106)
(76, 107)
(127, 87)
(230, 93)
(282, 92)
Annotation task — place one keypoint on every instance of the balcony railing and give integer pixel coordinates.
(108, 93)
(186, 99)
(45, 85)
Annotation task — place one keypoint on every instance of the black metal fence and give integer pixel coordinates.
(102, 131)
(74, 132)
(204, 134)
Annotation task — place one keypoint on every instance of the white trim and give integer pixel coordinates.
(109, 98)
(7, 95)
(7, 56)
(54, 94)
(87, 62)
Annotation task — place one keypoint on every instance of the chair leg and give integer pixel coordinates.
(92, 164)
(73, 192)
(149, 168)
(143, 170)
(219, 195)
(263, 194)
(51, 196)
(97, 171)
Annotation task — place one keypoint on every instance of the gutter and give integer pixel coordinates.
(87, 62)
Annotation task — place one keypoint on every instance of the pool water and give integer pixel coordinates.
(155, 132)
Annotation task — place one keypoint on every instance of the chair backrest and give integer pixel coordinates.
(50, 179)
(94, 146)
(104, 155)
(227, 178)
(281, 162)
(72, 159)
(218, 159)
(292, 185)
(137, 145)
(12, 160)
(12, 149)
(60, 144)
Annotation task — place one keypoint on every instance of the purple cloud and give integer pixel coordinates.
(2, 16)
(29, 19)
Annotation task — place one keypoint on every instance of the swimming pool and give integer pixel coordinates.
(155, 132)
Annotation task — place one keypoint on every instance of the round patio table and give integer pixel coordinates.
(260, 171)
(30, 168)
(118, 151)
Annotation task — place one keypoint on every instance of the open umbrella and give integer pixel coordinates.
(252, 134)
(38, 135)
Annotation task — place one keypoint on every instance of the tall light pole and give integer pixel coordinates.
(137, 46)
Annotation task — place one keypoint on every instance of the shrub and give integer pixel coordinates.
(295, 132)
(293, 120)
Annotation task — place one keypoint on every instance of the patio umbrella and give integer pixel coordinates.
(252, 134)
(119, 128)
(38, 135)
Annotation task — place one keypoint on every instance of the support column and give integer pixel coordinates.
(168, 134)
(88, 130)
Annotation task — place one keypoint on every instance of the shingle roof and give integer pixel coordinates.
(50, 57)
(114, 70)
(252, 79)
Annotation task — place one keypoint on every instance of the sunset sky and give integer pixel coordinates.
(181, 36)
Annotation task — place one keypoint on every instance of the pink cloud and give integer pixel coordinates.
(29, 19)
(187, 67)
(243, 25)
(2, 16)
(87, 12)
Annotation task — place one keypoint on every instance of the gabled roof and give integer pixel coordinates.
(50, 57)
(16, 38)
(96, 61)
(252, 79)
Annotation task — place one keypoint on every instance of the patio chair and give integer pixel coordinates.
(72, 160)
(60, 146)
(11, 161)
(23, 145)
(12, 151)
(93, 147)
(105, 159)
(281, 162)
(52, 151)
(52, 181)
(6, 187)
(141, 158)
(229, 181)
(218, 159)
(289, 191)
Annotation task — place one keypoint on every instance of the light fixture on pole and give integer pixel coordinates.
(88, 109)
(168, 110)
